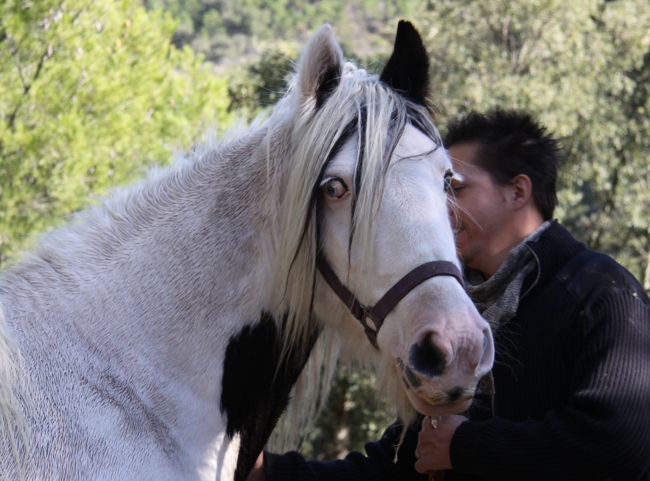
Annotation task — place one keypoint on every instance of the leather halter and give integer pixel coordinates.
(380, 310)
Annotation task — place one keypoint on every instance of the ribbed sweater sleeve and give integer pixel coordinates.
(604, 430)
(378, 465)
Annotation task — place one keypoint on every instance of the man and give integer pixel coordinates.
(571, 326)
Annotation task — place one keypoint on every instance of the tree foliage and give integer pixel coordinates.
(352, 417)
(582, 68)
(224, 30)
(91, 92)
(259, 85)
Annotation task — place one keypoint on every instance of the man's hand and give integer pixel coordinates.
(433, 443)
(257, 473)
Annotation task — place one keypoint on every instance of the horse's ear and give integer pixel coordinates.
(320, 67)
(407, 70)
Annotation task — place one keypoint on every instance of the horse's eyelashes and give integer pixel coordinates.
(448, 176)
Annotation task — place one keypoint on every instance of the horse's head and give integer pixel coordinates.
(367, 197)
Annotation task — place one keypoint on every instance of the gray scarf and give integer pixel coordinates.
(497, 298)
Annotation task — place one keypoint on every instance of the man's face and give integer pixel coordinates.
(481, 222)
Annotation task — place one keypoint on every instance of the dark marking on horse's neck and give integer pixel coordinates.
(256, 386)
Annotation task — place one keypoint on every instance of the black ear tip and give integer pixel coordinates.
(404, 27)
(407, 35)
(407, 70)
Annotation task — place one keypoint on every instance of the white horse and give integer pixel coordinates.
(160, 335)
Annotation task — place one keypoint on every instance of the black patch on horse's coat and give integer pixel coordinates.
(327, 85)
(256, 386)
(407, 70)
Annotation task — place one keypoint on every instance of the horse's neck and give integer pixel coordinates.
(166, 274)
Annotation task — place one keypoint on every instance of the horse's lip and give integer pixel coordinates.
(426, 408)
(440, 398)
(432, 398)
(435, 401)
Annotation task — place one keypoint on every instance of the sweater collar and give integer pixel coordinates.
(497, 298)
(554, 248)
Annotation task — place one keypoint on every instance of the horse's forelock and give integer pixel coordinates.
(361, 106)
(377, 114)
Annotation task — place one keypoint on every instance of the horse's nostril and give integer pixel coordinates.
(427, 358)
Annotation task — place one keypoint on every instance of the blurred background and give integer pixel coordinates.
(93, 92)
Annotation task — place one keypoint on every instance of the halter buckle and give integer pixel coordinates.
(365, 312)
(362, 313)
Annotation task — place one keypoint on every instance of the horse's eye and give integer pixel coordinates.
(448, 175)
(335, 187)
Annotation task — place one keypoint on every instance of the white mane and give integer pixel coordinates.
(379, 115)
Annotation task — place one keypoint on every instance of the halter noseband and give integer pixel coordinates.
(380, 310)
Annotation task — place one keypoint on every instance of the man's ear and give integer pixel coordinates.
(522, 191)
(320, 68)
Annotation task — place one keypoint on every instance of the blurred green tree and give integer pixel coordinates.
(256, 86)
(352, 416)
(89, 90)
(583, 68)
(224, 30)
(91, 93)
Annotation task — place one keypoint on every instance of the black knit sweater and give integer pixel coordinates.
(572, 377)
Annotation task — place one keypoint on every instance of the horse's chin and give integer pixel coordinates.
(427, 409)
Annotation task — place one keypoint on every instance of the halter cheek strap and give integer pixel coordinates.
(380, 310)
